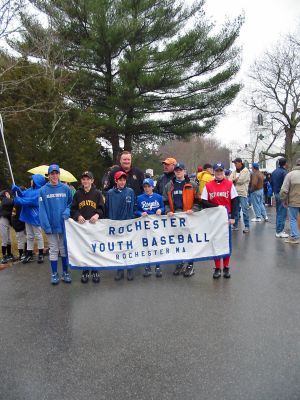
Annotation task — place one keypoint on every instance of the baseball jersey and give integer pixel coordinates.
(220, 193)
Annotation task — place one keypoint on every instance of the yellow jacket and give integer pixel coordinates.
(204, 177)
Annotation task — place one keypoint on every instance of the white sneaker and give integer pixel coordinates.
(256, 220)
(266, 218)
(281, 235)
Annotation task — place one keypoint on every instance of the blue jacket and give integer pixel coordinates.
(277, 178)
(119, 204)
(149, 204)
(55, 202)
(29, 200)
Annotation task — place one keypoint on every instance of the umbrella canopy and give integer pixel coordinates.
(65, 175)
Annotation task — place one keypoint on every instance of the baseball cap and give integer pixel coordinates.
(148, 181)
(218, 165)
(53, 167)
(119, 174)
(237, 159)
(169, 160)
(179, 165)
(255, 165)
(87, 174)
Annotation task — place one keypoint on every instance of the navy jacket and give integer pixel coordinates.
(277, 178)
(119, 204)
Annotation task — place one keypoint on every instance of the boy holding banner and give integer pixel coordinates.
(221, 192)
(150, 203)
(119, 205)
(181, 195)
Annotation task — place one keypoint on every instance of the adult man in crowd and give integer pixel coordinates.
(256, 189)
(241, 178)
(205, 176)
(277, 179)
(290, 194)
(134, 176)
(167, 176)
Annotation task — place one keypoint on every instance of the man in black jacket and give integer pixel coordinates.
(167, 176)
(87, 205)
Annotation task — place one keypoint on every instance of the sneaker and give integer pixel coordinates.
(55, 279)
(40, 259)
(292, 240)
(85, 276)
(226, 273)
(256, 220)
(217, 273)
(130, 275)
(189, 271)
(28, 259)
(3, 260)
(23, 256)
(246, 230)
(281, 235)
(11, 258)
(158, 272)
(95, 277)
(235, 228)
(119, 275)
(147, 272)
(266, 218)
(66, 277)
(178, 269)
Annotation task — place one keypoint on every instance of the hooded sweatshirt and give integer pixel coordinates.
(29, 200)
(87, 204)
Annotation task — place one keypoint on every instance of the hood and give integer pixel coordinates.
(39, 180)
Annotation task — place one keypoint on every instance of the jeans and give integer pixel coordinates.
(281, 213)
(257, 199)
(242, 202)
(293, 212)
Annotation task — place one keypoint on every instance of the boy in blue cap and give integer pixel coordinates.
(150, 203)
(55, 201)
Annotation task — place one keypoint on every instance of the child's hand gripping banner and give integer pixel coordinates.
(147, 240)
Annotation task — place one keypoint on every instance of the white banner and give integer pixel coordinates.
(148, 240)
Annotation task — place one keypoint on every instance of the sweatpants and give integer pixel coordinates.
(21, 239)
(33, 231)
(5, 231)
(56, 246)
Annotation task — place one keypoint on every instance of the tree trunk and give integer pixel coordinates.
(289, 134)
(115, 147)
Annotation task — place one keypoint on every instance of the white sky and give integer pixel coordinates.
(265, 22)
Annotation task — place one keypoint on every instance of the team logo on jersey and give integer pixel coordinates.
(128, 199)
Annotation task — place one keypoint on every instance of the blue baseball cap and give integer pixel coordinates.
(255, 165)
(218, 165)
(53, 167)
(148, 181)
(179, 165)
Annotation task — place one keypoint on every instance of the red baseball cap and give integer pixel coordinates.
(119, 174)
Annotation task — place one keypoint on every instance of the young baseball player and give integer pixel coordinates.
(55, 201)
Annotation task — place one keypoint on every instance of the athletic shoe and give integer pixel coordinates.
(95, 277)
(147, 272)
(256, 220)
(235, 228)
(119, 275)
(178, 269)
(66, 277)
(3, 260)
(217, 273)
(40, 259)
(246, 230)
(226, 273)
(189, 271)
(266, 218)
(281, 235)
(28, 259)
(55, 279)
(158, 272)
(85, 276)
(23, 256)
(130, 275)
(292, 240)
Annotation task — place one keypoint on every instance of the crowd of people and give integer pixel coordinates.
(128, 193)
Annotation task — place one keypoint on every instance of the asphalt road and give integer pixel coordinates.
(169, 338)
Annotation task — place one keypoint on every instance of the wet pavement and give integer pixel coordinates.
(169, 338)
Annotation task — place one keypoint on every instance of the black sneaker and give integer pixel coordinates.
(217, 273)
(85, 276)
(119, 275)
(3, 260)
(95, 277)
(11, 258)
(189, 271)
(40, 259)
(226, 273)
(147, 272)
(28, 259)
(158, 272)
(178, 269)
(130, 275)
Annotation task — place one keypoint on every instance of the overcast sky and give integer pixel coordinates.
(265, 22)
